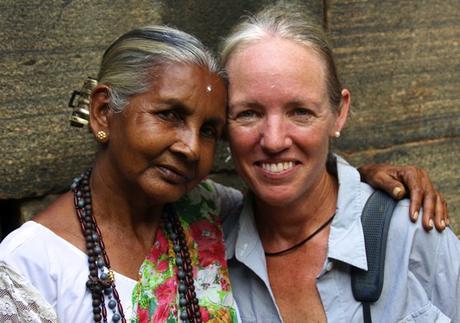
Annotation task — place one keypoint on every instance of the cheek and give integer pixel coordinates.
(316, 134)
(242, 138)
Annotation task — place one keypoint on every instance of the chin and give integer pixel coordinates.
(274, 197)
(166, 193)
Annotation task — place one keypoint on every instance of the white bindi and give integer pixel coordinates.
(209, 88)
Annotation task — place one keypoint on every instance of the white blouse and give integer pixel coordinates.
(38, 268)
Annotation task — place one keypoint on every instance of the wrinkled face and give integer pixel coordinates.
(163, 142)
(280, 119)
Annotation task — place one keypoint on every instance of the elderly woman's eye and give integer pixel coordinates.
(170, 115)
(209, 132)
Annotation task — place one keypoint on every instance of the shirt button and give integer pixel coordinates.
(329, 266)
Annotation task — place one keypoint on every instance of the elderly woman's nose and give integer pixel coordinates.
(275, 135)
(188, 145)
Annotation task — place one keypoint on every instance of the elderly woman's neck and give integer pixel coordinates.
(294, 220)
(117, 203)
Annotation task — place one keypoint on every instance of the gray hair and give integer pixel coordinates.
(291, 22)
(128, 63)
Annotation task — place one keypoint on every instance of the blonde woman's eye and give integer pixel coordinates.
(247, 114)
(301, 112)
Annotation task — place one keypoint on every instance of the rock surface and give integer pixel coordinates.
(399, 59)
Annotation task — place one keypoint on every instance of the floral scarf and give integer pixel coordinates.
(155, 297)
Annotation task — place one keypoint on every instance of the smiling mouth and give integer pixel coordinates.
(278, 167)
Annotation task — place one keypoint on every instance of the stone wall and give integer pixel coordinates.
(399, 58)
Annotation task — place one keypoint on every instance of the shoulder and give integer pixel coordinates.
(23, 301)
(413, 233)
(427, 263)
(429, 255)
(29, 236)
(220, 192)
(231, 203)
(28, 249)
(213, 196)
(37, 253)
(29, 252)
(53, 266)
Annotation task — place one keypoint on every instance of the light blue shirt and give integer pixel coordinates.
(422, 270)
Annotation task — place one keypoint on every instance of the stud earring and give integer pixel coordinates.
(337, 134)
(102, 136)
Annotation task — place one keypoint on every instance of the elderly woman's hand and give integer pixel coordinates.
(395, 179)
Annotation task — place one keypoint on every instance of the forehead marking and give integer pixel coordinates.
(209, 88)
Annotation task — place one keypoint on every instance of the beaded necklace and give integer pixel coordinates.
(101, 280)
(188, 302)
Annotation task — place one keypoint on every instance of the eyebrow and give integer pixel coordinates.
(250, 103)
(293, 102)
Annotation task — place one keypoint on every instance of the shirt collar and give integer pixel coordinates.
(346, 238)
(248, 246)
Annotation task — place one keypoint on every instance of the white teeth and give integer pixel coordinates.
(277, 167)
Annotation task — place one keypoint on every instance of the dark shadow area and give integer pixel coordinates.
(9, 216)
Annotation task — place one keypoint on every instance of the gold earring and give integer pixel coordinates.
(337, 134)
(102, 136)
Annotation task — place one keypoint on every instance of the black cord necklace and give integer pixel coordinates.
(297, 245)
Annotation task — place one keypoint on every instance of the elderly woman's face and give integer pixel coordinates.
(280, 119)
(163, 142)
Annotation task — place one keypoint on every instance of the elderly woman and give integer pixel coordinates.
(157, 112)
(300, 231)
(126, 227)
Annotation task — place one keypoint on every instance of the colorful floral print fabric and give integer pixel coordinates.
(155, 296)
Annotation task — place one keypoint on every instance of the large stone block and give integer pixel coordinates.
(401, 61)
(47, 50)
(212, 20)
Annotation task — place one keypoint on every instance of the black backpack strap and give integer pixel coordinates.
(376, 217)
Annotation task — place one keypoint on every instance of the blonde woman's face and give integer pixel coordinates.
(279, 119)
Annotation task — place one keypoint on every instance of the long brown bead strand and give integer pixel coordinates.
(188, 302)
(100, 282)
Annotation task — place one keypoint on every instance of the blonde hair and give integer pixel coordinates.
(289, 21)
(134, 60)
